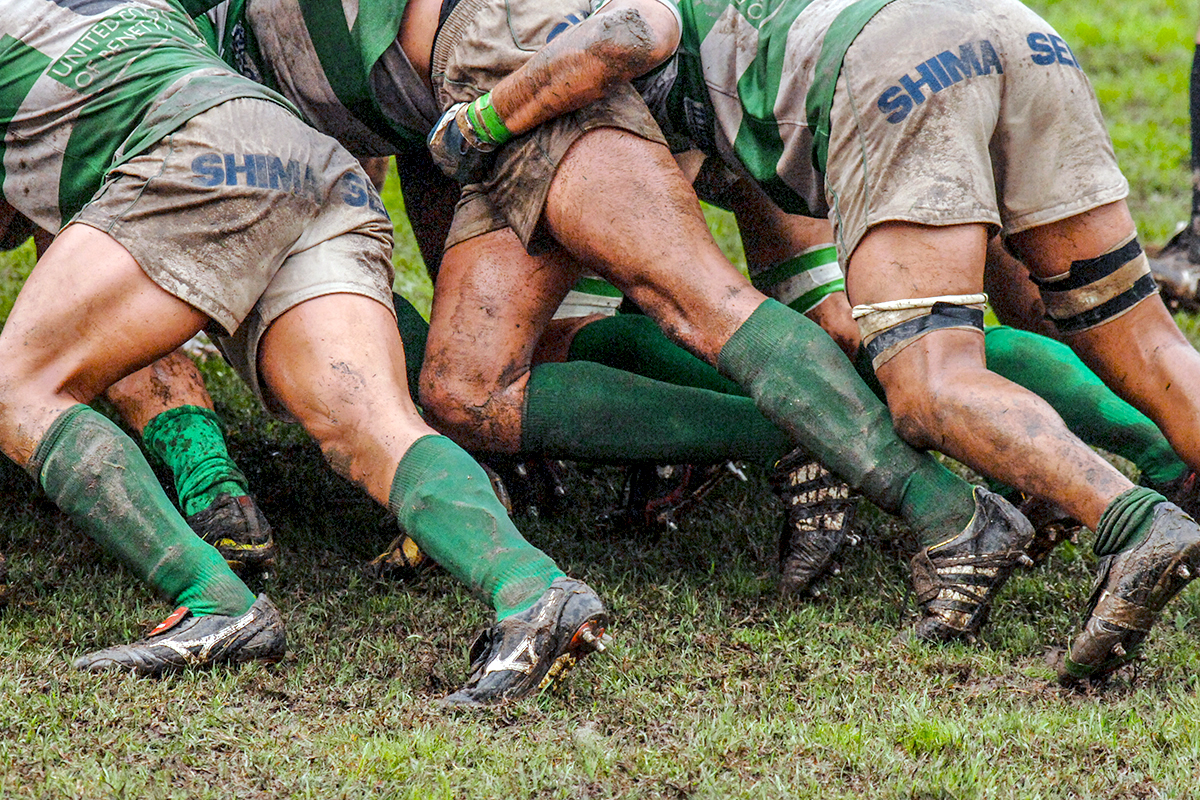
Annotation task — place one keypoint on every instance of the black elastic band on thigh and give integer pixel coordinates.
(1142, 288)
(1090, 270)
(941, 315)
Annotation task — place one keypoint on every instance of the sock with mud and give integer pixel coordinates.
(414, 331)
(190, 442)
(1126, 520)
(634, 343)
(801, 380)
(99, 477)
(587, 411)
(444, 501)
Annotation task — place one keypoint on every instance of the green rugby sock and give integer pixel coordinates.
(414, 332)
(1126, 520)
(444, 501)
(591, 412)
(99, 477)
(803, 382)
(634, 343)
(1090, 409)
(189, 440)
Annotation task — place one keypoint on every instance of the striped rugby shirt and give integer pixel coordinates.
(754, 84)
(87, 85)
(338, 61)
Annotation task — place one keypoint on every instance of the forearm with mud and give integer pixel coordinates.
(579, 65)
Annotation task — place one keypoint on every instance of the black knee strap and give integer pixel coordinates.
(941, 315)
(1080, 300)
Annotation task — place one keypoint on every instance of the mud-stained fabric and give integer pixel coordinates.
(590, 295)
(190, 442)
(89, 86)
(926, 111)
(320, 80)
(785, 362)
(1097, 290)
(803, 281)
(596, 413)
(889, 327)
(445, 502)
(480, 43)
(101, 480)
(245, 212)
(978, 114)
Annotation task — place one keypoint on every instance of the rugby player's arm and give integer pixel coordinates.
(624, 39)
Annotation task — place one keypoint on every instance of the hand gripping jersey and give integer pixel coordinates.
(88, 84)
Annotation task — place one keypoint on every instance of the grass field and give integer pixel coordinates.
(712, 688)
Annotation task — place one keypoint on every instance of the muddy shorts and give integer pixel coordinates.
(480, 43)
(244, 213)
(970, 111)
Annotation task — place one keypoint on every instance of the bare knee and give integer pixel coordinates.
(480, 412)
(922, 409)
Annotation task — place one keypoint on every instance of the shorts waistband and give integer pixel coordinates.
(456, 16)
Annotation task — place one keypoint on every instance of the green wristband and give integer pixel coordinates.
(488, 125)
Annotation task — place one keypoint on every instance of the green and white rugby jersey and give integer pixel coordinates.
(89, 84)
(755, 84)
(338, 61)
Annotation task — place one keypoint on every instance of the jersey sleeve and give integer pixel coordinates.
(671, 5)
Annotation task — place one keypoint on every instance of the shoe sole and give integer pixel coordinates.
(1123, 644)
(247, 559)
(588, 638)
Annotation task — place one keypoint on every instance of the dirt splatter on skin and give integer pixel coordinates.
(578, 67)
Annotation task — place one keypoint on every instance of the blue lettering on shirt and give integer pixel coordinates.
(562, 26)
(947, 68)
(270, 172)
(1046, 49)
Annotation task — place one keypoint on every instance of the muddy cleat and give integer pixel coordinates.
(526, 651)
(239, 531)
(536, 486)
(1184, 493)
(956, 580)
(1132, 589)
(1051, 527)
(183, 640)
(655, 498)
(818, 512)
(402, 561)
(1176, 270)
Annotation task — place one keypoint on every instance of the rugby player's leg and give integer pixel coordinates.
(1035, 357)
(1090, 409)
(492, 303)
(620, 204)
(336, 363)
(168, 405)
(87, 317)
(940, 391)
(1095, 283)
(1141, 354)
